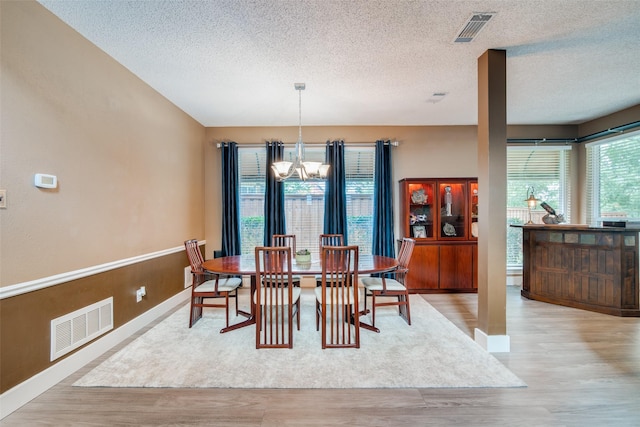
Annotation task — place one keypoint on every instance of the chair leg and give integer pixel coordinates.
(407, 309)
(237, 302)
(373, 309)
(226, 306)
(289, 322)
(364, 311)
(196, 311)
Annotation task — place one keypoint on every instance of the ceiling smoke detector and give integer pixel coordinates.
(437, 97)
(473, 26)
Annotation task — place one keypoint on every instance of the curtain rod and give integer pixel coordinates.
(393, 143)
(586, 138)
(543, 140)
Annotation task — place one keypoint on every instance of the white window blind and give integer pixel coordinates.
(360, 166)
(251, 170)
(546, 169)
(304, 204)
(613, 176)
(304, 200)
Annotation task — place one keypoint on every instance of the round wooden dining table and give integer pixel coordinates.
(245, 265)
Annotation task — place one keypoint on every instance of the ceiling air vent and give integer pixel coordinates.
(473, 26)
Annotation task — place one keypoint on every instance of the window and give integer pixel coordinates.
(251, 168)
(360, 164)
(304, 200)
(304, 204)
(613, 173)
(546, 169)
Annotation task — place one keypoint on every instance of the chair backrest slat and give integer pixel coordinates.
(330, 240)
(339, 303)
(406, 249)
(274, 297)
(284, 240)
(195, 256)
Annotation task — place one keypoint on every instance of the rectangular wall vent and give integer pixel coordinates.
(473, 26)
(75, 329)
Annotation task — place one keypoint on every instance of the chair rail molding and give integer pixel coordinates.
(45, 282)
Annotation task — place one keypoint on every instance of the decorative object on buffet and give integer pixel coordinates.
(419, 231)
(416, 218)
(419, 197)
(303, 256)
(306, 170)
(551, 217)
(531, 202)
(448, 229)
(474, 203)
(447, 201)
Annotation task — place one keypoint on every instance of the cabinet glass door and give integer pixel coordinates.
(453, 210)
(421, 198)
(473, 188)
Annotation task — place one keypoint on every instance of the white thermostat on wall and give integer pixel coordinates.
(43, 180)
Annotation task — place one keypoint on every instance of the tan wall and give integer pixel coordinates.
(542, 131)
(619, 118)
(424, 151)
(131, 182)
(129, 163)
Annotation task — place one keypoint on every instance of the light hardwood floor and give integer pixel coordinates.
(582, 369)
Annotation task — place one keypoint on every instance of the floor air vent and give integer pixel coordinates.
(75, 329)
(473, 26)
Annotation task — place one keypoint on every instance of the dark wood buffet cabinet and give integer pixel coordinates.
(441, 214)
(591, 268)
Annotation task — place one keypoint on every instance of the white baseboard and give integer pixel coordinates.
(493, 343)
(24, 392)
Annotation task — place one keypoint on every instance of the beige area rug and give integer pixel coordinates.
(431, 353)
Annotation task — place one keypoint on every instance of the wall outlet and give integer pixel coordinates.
(140, 293)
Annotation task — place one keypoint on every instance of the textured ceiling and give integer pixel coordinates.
(234, 62)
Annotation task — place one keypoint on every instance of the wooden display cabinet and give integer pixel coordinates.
(441, 214)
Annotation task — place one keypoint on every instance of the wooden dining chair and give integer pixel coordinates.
(290, 241)
(277, 300)
(383, 287)
(208, 286)
(328, 240)
(337, 308)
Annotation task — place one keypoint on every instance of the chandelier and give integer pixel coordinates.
(306, 170)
